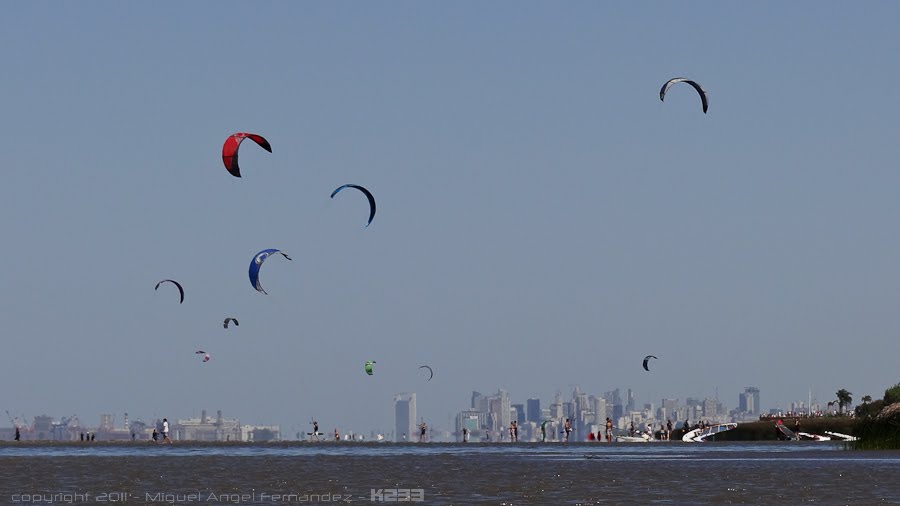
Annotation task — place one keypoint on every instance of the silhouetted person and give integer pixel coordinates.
(18, 436)
(82, 436)
(465, 435)
(568, 428)
(92, 436)
(155, 435)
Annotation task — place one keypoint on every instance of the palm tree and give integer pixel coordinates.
(844, 398)
(867, 399)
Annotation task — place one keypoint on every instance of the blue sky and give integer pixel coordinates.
(543, 219)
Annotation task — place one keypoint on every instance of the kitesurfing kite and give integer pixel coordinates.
(256, 264)
(647, 362)
(367, 194)
(430, 371)
(670, 82)
(230, 150)
(231, 320)
(176, 283)
(369, 367)
(205, 355)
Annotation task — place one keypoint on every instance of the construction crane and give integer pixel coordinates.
(15, 423)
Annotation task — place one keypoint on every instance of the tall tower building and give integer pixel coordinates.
(748, 402)
(533, 410)
(405, 417)
(519, 410)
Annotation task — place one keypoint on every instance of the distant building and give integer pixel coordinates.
(599, 407)
(533, 410)
(260, 433)
(405, 416)
(748, 402)
(207, 429)
(519, 410)
(473, 421)
(670, 409)
(499, 409)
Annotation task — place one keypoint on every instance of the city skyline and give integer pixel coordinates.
(485, 410)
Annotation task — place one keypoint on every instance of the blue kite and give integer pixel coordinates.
(256, 264)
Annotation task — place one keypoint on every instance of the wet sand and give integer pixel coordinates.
(675, 473)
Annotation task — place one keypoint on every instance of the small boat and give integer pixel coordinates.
(806, 436)
(837, 436)
(643, 437)
(700, 435)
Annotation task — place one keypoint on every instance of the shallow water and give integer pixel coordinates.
(305, 473)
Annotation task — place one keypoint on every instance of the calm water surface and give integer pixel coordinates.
(328, 473)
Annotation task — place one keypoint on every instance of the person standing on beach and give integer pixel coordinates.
(422, 429)
(568, 429)
(544, 431)
(337, 435)
(17, 433)
(465, 435)
(668, 429)
(608, 430)
(515, 431)
(165, 431)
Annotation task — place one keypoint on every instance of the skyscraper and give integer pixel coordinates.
(533, 413)
(405, 417)
(499, 409)
(519, 409)
(748, 402)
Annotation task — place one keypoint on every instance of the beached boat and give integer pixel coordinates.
(643, 437)
(806, 436)
(700, 435)
(837, 436)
